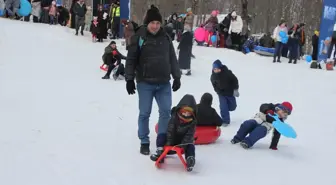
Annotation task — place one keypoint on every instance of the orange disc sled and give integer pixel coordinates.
(204, 134)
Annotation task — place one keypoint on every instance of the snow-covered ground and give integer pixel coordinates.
(61, 124)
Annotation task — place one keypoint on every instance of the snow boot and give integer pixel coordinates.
(244, 145)
(144, 149)
(155, 157)
(188, 73)
(82, 33)
(105, 77)
(76, 33)
(115, 77)
(234, 141)
(190, 163)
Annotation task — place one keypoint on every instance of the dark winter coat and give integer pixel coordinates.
(211, 24)
(267, 41)
(225, 24)
(294, 36)
(265, 109)
(46, 3)
(185, 48)
(206, 115)
(225, 82)
(181, 133)
(95, 28)
(64, 15)
(315, 40)
(108, 51)
(169, 28)
(151, 58)
(80, 9)
(102, 23)
(179, 26)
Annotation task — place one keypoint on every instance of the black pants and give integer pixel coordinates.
(235, 37)
(294, 51)
(115, 27)
(278, 50)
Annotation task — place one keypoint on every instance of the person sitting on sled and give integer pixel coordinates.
(181, 130)
(261, 125)
(112, 58)
(206, 115)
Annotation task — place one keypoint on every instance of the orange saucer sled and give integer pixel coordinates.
(204, 134)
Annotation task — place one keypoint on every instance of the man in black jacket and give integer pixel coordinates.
(80, 11)
(151, 60)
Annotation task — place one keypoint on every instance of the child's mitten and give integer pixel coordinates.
(269, 119)
(236, 93)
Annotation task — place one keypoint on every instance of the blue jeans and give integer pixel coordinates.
(227, 104)
(255, 131)
(163, 96)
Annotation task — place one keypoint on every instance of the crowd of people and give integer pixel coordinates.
(151, 62)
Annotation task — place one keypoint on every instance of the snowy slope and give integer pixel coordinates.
(61, 124)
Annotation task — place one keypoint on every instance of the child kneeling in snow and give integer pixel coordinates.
(111, 57)
(206, 115)
(181, 130)
(261, 125)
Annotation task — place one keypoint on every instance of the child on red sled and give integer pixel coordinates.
(181, 131)
(261, 125)
(112, 58)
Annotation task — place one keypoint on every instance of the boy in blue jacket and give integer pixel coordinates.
(226, 85)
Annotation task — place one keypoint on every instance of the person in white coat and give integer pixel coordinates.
(235, 29)
(278, 44)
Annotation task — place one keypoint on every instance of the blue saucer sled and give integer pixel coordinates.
(283, 128)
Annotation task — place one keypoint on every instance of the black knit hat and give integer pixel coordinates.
(153, 14)
(112, 42)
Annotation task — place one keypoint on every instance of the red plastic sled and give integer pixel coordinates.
(179, 151)
(204, 134)
(104, 67)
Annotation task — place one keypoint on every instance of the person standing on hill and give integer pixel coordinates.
(80, 11)
(151, 60)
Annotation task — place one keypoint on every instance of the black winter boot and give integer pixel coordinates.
(155, 157)
(190, 163)
(144, 149)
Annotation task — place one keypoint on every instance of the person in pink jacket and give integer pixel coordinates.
(53, 12)
(210, 27)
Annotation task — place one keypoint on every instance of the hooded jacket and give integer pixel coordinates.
(182, 133)
(206, 115)
(225, 82)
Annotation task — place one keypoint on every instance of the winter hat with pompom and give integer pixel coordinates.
(217, 64)
(153, 14)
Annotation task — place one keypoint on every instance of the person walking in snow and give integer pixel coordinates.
(80, 11)
(278, 44)
(258, 127)
(151, 60)
(226, 85)
(236, 27)
(185, 48)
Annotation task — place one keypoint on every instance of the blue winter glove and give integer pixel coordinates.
(236, 93)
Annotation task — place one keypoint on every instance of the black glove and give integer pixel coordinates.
(269, 119)
(130, 87)
(176, 85)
